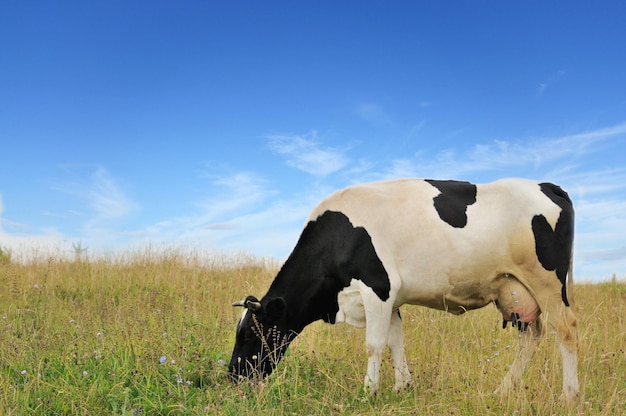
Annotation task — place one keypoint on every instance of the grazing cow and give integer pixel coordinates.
(453, 246)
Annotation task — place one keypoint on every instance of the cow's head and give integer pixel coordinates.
(261, 339)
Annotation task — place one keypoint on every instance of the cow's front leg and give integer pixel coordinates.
(377, 321)
(395, 340)
(372, 378)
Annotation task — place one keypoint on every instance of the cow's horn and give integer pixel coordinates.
(253, 306)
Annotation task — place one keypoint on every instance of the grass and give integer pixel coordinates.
(148, 334)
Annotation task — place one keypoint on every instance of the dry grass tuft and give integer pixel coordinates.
(149, 334)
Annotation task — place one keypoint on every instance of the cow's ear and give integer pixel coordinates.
(275, 309)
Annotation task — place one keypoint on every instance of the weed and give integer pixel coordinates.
(151, 334)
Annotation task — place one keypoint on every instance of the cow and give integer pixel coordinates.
(450, 245)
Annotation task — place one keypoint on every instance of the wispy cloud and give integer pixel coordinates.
(217, 217)
(238, 214)
(99, 204)
(106, 198)
(307, 154)
(543, 87)
(231, 195)
(521, 157)
(99, 196)
(9, 223)
(374, 114)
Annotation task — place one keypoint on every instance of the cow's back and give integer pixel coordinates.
(433, 255)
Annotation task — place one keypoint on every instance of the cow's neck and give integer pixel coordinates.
(329, 254)
(308, 288)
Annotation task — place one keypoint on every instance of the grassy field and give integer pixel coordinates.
(149, 334)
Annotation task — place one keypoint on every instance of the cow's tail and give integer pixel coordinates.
(570, 280)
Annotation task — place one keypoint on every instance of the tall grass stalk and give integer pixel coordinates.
(149, 333)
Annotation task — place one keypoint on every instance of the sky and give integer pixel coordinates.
(218, 125)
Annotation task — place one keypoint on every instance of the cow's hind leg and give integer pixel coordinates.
(395, 340)
(563, 320)
(529, 338)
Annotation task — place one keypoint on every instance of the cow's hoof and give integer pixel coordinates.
(402, 386)
(569, 396)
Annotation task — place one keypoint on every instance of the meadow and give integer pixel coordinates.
(150, 333)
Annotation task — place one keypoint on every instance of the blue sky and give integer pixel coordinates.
(219, 125)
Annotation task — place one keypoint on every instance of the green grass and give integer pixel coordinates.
(89, 337)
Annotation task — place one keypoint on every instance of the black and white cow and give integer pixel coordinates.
(453, 246)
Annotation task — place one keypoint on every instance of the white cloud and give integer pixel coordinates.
(98, 205)
(524, 157)
(106, 198)
(306, 154)
(4, 221)
(543, 87)
(233, 194)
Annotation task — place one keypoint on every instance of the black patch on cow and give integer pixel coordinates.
(451, 204)
(554, 247)
(328, 255)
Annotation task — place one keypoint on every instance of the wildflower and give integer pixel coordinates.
(180, 381)
(173, 361)
(85, 374)
(165, 335)
(36, 286)
(23, 372)
(163, 359)
(72, 321)
(221, 362)
(189, 382)
(98, 334)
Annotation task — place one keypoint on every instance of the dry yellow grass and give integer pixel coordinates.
(149, 333)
